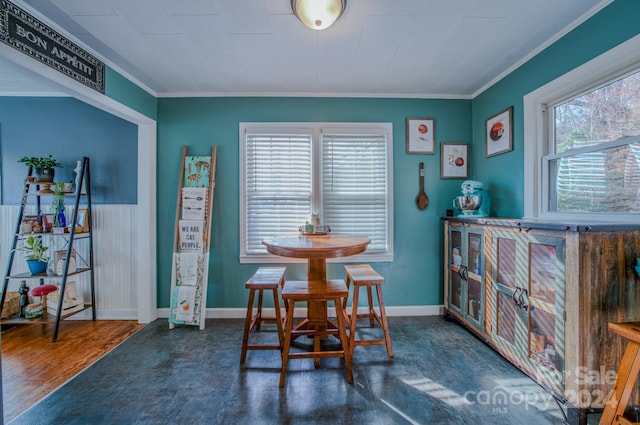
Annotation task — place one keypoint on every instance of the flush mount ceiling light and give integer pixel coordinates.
(318, 14)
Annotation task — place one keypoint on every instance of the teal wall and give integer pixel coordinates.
(504, 173)
(124, 91)
(414, 278)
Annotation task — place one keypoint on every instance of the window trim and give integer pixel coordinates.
(616, 62)
(315, 129)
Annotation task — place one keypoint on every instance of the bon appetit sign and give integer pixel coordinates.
(27, 34)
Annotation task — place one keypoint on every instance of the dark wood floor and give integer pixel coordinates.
(33, 366)
(440, 374)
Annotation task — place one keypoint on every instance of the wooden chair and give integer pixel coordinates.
(305, 291)
(265, 278)
(618, 397)
(363, 275)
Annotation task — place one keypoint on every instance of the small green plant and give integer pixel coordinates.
(33, 249)
(40, 162)
(58, 193)
(58, 205)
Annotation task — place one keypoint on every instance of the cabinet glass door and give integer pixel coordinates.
(506, 263)
(474, 299)
(456, 292)
(474, 252)
(529, 301)
(466, 275)
(474, 274)
(546, 303)
(505, 272)
(506, 318)
(455, 261)
(509, 295)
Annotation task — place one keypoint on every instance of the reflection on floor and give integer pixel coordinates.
(440, 374)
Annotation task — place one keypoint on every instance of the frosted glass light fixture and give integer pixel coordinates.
(318, 14)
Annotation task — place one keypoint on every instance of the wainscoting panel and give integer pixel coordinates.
(114, 255)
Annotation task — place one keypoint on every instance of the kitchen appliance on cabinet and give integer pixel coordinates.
(474, 201)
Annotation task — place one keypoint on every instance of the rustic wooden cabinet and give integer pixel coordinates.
(550, 291)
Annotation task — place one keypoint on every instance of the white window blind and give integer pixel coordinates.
(340, 171)
(278, 186)
(354, 186)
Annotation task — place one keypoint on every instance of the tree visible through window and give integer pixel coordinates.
(594, 160)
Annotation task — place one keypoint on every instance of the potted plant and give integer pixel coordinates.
(43, 166)
(34, 254)
(59, 219)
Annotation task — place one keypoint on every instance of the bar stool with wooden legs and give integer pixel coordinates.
(265, 278)
(363, 275)
(618, 397)
(315, 291)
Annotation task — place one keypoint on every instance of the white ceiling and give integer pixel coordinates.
(404, 48)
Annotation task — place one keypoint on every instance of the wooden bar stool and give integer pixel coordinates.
(305, 291)
(265, 278)
(628, 370)
(363, 275)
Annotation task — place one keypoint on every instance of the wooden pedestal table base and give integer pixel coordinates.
(316, 249)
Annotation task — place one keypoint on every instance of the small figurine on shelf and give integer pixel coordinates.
(78, 171)
(24, 298)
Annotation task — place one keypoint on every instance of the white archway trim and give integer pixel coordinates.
(146, 208)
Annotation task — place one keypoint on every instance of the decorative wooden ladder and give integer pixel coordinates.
(192, 240)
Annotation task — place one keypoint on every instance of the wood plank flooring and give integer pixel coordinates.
(33, 366)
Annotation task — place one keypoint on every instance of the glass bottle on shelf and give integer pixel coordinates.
(59, 219)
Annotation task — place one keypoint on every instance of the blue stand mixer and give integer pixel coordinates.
(474, 202)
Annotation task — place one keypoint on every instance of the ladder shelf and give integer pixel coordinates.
(79, 230)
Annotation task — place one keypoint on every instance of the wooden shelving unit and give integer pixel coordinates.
(32, 195)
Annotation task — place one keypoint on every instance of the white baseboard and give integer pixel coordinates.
(116, 314)
(107, 314)
(239, 313)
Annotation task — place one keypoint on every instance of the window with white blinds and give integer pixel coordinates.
(354, 185)
(340, 171)
(278, 186)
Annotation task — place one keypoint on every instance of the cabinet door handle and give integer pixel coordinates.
(516, 296)
(521, 298)
(462, 271)
(524, 298)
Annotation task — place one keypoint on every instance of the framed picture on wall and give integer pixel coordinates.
(421, 135)
(454, 160)
(499, 133)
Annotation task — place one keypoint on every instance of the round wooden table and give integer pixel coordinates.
(316, 249)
